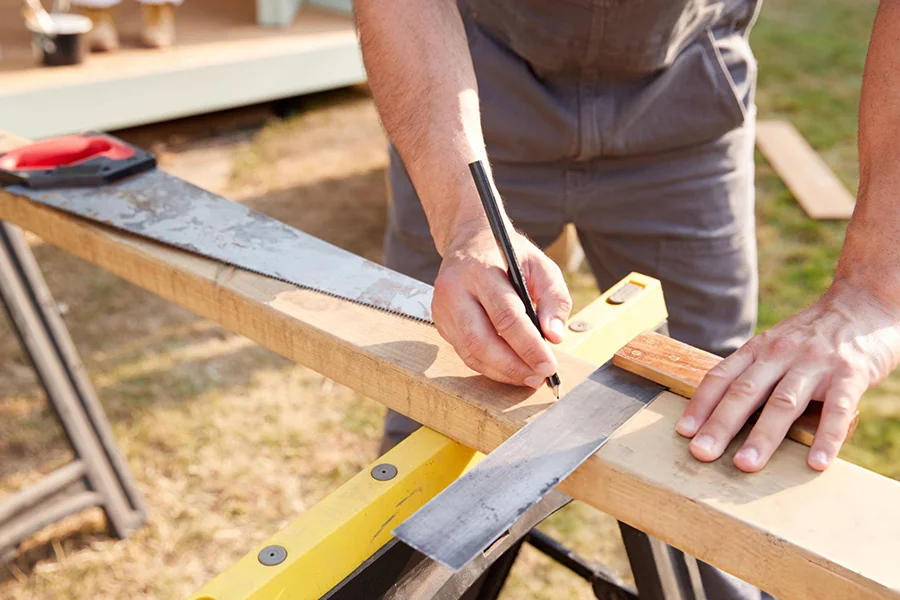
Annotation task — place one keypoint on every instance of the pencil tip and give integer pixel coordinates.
(556, 391)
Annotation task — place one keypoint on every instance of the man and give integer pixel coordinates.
(634, 121)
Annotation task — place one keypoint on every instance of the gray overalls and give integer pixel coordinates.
(633, 120)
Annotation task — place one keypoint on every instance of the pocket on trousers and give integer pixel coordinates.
(707, 92)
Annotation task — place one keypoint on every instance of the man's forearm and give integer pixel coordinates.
(871, 254)
(421, 77)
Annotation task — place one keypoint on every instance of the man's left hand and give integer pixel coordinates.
(832, 351)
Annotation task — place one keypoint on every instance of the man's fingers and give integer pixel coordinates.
(507, 313)
(551, 296)
(712, 389)
(475, 340)
(841, 401)
(787, 402)
(743, 397)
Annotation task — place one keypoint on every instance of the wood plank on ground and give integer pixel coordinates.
(793, 532)
(815, 186)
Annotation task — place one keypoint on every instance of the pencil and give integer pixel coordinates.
(513, 269)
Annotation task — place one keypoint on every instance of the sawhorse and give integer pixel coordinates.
(342, 548)
(98, 476)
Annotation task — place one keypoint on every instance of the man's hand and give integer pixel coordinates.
(477, 311)
(833, 351)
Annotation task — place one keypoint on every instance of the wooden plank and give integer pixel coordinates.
(681, 368)
(795, 533)
(813, 184)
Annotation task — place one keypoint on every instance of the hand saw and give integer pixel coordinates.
(101, 178)
(105, 180)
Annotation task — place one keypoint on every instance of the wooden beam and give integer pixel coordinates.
(681, 368)
(816, 188)
(795, 533)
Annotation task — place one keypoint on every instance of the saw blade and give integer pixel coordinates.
(473, 512)
(166, 209)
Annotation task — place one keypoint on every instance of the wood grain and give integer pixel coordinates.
(681, 368)
(814, 185)
(795, 533)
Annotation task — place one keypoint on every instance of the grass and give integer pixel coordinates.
(228, 442)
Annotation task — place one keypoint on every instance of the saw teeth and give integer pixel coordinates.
(169, 192)
(331, 295)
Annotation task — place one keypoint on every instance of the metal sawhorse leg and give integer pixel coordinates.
(98, 476)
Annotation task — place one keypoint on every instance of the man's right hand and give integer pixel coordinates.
(420, 73)
(476, 309)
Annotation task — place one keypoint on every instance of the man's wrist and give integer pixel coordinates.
(461, 225)
(454, 212)
(878, 287)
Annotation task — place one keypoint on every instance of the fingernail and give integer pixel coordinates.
(534, 381)
(704, 443)
(820, 459)
(687, 426)
(748, 455)
(546, 369)
(556, 326)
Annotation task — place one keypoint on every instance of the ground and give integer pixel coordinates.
(229, 442)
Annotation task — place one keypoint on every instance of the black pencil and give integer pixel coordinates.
(491, 208)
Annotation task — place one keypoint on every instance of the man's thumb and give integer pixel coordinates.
(552, 299)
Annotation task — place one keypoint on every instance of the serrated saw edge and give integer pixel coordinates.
(167, 210)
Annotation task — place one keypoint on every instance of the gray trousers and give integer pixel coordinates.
(666, 190)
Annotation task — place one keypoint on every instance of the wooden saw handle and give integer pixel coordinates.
(681, 368)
